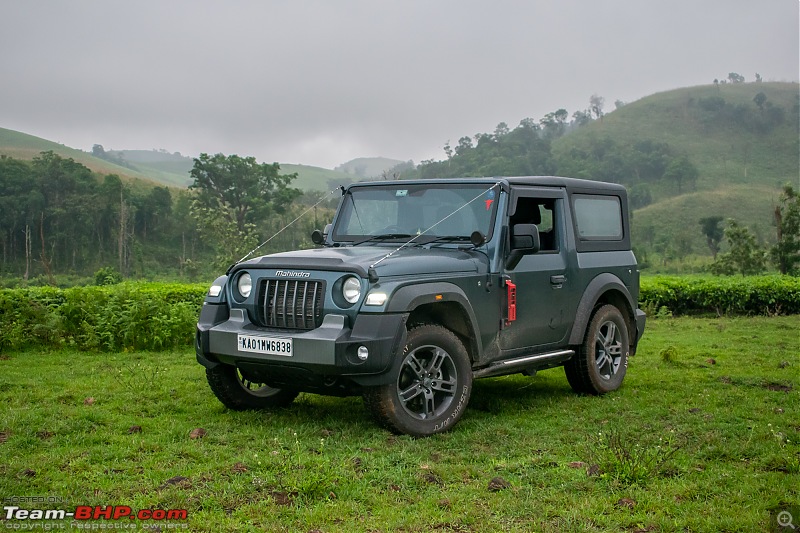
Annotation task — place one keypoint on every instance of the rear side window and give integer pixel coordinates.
(598, 217)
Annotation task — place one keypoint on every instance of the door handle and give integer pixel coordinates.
(558, 280)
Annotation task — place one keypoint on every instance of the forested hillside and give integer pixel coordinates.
(57, 217)
(722, 150)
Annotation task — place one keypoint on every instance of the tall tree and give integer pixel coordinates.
(596, 104)
(713, 232)
(240, 187)
(745, 256)
(786, 251)
(235, 195)
(681, 171)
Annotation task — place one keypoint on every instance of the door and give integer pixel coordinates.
(544, 296)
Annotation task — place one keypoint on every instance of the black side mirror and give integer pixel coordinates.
(477, 238)
(524, 241)
(318, 237)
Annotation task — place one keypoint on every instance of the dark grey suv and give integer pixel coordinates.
(419, 287)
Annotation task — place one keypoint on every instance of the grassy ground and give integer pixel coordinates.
(703, 436)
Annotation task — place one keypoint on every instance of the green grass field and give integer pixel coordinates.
(703, 436)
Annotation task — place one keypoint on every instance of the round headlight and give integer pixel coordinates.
(245, 284)
(351, 289)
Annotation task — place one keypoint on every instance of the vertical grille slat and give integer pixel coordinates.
(290, 304)
(284, 322)
(263, 313)
(303, 306)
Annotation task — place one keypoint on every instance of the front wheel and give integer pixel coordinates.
(602, 360)
(432, 388)
(237, 392)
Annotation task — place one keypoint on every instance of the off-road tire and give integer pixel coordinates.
(238, 393)
(432, 388)
(602, 360)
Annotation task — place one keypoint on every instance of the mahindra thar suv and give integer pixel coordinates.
(419, 287)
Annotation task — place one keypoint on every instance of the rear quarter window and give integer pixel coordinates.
(598, 217)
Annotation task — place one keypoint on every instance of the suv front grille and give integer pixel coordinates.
(290, 304)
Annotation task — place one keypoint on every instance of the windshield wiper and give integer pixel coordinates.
(444, 239)
(383, 236)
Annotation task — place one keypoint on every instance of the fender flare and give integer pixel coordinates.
(409, 297)
(596, 288)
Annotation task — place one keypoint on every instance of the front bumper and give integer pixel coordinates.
(319, 355)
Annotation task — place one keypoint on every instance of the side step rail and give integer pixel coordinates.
(511, 366)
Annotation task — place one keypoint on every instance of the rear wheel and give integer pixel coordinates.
(602, 360)
(432, 388)
(237, 392)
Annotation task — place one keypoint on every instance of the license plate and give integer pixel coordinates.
(265, 345)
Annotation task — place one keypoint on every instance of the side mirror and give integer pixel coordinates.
(524, 241)
(477, 238)
(318, 237)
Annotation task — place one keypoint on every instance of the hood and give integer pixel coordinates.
(408, 261)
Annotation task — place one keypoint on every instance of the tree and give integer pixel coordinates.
(785, 253)
(745, 257)
(640, 196)
(464, 145)
(448, 150)
(242, 189)
(596, 104)
(554, 124)
(581, 118)
(735, 77)
(234, 195)
(713, 232)
(760, 99)
(681, 171)
(501, 129)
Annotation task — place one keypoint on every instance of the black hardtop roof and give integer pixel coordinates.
(540, 181)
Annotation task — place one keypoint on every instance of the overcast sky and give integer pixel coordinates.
(323, 82)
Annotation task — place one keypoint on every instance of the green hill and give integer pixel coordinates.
(743, 154)
(26, 147)
(156, 166)
(679, 217)
(174, 168)
(720, 127)
(368, 167)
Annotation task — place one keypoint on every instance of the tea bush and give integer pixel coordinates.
(128, 316)
(752, 295)
(158, 316)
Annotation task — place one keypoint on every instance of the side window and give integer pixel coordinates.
(539, 211)
(598, 217)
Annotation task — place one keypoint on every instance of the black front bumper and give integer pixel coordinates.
(321, 355)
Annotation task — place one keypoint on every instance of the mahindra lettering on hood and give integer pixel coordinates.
(291, 274)
(416, 288)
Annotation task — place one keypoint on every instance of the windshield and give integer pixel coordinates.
(402, 211)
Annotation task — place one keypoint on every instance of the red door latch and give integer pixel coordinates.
(512, 302)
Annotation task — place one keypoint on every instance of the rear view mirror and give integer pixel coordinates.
(524, 241)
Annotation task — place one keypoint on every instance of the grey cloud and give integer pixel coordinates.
(320, 82)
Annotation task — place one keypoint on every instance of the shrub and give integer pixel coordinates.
(754, 295)
(107, 276)
(127, 316)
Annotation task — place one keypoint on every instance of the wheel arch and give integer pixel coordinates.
(441, 303)
(604, 289)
